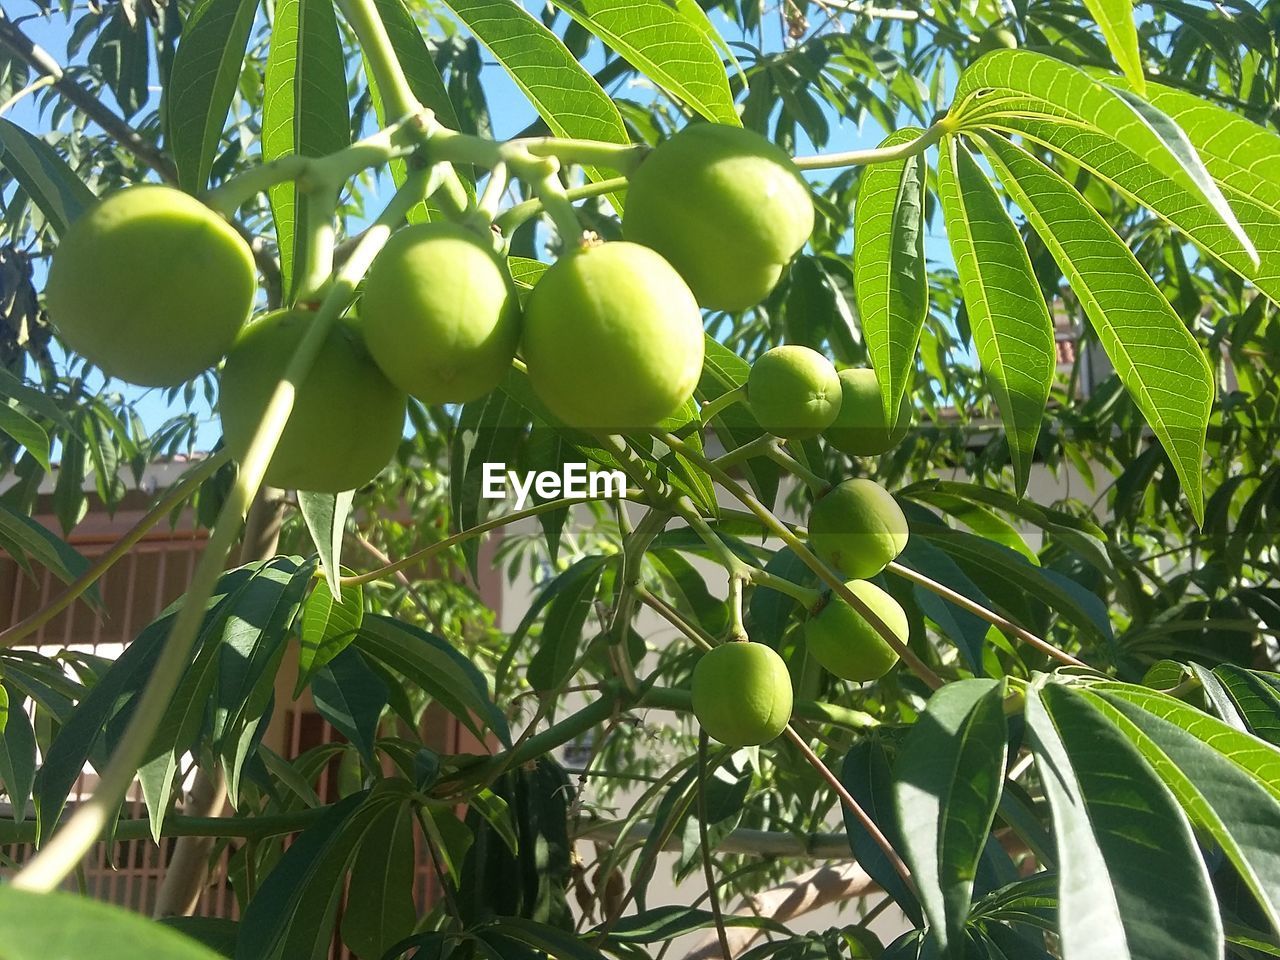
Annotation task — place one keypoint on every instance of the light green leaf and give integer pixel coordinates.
(17, 754)
(325, 515)
(304, 110)
(1132, 884)
(52, 186)
(50, 550)
(26, 431)
(662, 42)
(1011, 324)
(328, 628)
(947, 785)
(567, 98)
(890, 278)
(1115, 17)
(1257, 699)
(1007, 88)
(1219, 797)
(206, 68)
(1156, 357)
(56, 926)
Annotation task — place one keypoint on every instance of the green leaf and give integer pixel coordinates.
(217, 933)
(326, 518)
(562, 631)
(60, 926)
(47, 548)
(659, 924)
(351, 696)
(1003, 90)
(17, 753)
(1010, 320)
(567, 97)
(1257, 700)
(1156, 357)
(328, 628)
(52, 186)
(438, 669)
(304, 110)
(947, 785)
(1219, 797)
(557, 943)
(1115, 17)
(489, 431)
(890, 278)
(383, 913)
(26, 431)
(723, 371)
(1132, 885)
(206, 69)
(866, 774)
(664, 44)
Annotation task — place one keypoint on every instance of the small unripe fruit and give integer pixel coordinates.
(612, 338)
(996, 38)
(439, 313)
(347, 418)
(727, 207)
(857, 527)
(794, 392)
(151, 286)
(742, 694)
(845, 642)
(859, 428)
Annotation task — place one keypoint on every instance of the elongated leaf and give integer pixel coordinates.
(351, 697)
(659, 40)
(58, 193)
(890, 278)
(17, 754)
(567, 98)
(1132, 885)
(202, 84)
(1022, 83)
(486, 438)
(438, 669)
(1219, 797)
(384, 912)
(326, 518)
(1010, 320)
(562, 631)
(50, 550)
(327, 629)
(304, 110)
(947, 786)
(52, 926)
(1115, 17)
(1257, 700)
(1157, 358)
(26, 431)
(865, 773)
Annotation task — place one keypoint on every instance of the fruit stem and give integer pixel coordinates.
(316, 242)
(179, 492)
(512, 217)
(487, 207)
(727, 399)
(375, 43)
(737, 568)
(623, 157)
(551, 192)
(58, 858)
(815, 483)
(857, 158)
(737, 630)
(806, 596)
(671, 615)
(806, 556)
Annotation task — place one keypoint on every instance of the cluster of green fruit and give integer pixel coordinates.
(742, 692)
(611, 335)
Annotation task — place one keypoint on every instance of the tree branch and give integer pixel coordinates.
(39, 59)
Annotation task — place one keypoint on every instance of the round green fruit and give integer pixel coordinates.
(844, 642)
(612, 338)
(439, 314)
(728, 208)
(857, 527)
(347, 418)
(996, 38)
(859, 428)
(794, 392)
(742, 694)
(151, 286)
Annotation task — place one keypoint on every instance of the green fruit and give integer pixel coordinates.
(844, 642)
(742, 694)
(728, 208)
(151, 286)
(996, 38)
(859, 428)
(439, 314)
(613, 338)
(857, 527)
(346, 421)
(794, 392)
